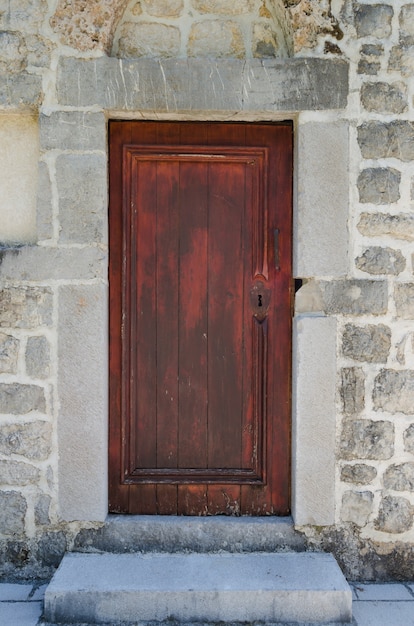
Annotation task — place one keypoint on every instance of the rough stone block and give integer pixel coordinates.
(377, 260)
(399, 226)
(81, 183)
(383, 140)
(73, 130)
(216, 38)
(370, 59)
(369, 343)
(394, 391)
(21, 399)
(358, 474)
(379, 185)
(85, 25)
(24, 14)
(402, 60)
(265, 42)
(38, 357)
(13, 509)
(352, 390)
(400, 477)
(164, 8)
(16, 473)
(357, 507)
(407, 25)
(82, 392)
(384, 97)
(373, 20)
(409, 439)
(49, 263)
(204, 84)
(9, 352)
(39, 50)
(404, 300)
(20, 91)
(12, 52)
(323, 200)
(367, 439)
(32, 440)
(44, 213)
(148, 39)
(25, 307)
(225, 7)
(313, 428)
(41, 510)
(395, 515)
(51, 547)
(355, 297)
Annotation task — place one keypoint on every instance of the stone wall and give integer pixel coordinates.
(62, 76)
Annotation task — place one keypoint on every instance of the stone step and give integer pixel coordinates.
(152, 533)
(223, 587)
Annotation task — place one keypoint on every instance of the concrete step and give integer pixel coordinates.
(163, 533)
(222, 587)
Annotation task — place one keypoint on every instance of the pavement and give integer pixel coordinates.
(374, 604)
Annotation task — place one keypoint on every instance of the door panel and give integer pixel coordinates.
(200, 318)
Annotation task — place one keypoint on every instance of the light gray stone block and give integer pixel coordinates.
(395, 515)
(400, 226)
(9, 351)
(17, 473)
(379, 185)
(321, 243)
(73, 130)
(352, 390)
(20, 91)
(199, 587)
(37, 357)
(355, 297)
(82, 190)
(13, 509)
(313, 428)
(204, 84)
(19, 399)
(82, 390)
(393, 139)
(39, 263)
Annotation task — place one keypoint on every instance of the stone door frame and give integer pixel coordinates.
(89, 92)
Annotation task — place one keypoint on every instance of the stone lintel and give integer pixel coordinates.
(173, 85)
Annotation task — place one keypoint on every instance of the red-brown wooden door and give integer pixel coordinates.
(200, 317)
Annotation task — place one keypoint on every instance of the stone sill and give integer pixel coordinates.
(171, 85)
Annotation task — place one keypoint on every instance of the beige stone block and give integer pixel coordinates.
(265, 41)
(163, 8)
(147, 39)
(313, 421)
(216, 38)
(224, 7)
(19, 156)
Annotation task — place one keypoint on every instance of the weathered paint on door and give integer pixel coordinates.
(200, 317)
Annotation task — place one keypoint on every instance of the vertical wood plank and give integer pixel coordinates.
(192, 452)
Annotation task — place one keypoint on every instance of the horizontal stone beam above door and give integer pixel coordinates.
(174, 85)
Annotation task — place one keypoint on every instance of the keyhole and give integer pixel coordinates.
(259, 300)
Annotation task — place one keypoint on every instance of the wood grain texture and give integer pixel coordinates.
(200, 319)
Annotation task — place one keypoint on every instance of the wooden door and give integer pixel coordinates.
(200, 317)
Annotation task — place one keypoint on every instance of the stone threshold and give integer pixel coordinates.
(152, 533)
